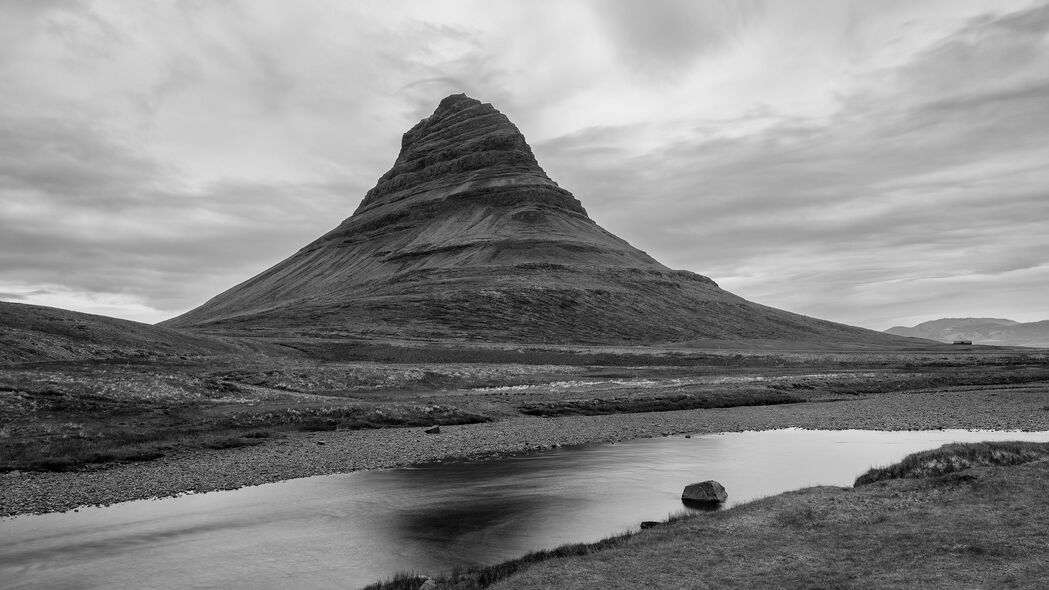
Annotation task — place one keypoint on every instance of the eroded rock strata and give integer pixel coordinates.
(467, 237)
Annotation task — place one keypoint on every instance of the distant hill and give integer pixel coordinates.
(996, 331)
(31, 333)
(466, 237)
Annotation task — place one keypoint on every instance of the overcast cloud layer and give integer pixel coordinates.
(873, 163)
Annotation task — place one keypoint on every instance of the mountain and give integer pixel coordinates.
(466, 237)
(33, 333)
(995, 331)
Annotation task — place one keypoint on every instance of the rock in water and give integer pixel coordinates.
(705, 492)
(466, 237)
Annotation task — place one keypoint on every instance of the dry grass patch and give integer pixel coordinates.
(984, 528)
(658, 403)
(956, 457)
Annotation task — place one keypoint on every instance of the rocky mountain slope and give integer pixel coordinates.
(994, 331)
(466, 237)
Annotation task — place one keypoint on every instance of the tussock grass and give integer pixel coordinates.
(685, 401)
(358, 418)
(107, 431)
(476, 578)
(72, 452)
(956, 457)
(803, 517)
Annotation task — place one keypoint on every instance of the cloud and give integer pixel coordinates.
(114, 305)
(160, 165)
(108, 222)
(53, 156)
(892, 157)
(932, 171)
(665, 36)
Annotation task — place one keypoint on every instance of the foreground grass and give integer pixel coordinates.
(957, 457)
(482, 577)
(982, 523)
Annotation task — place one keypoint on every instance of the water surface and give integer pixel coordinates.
(352, 529)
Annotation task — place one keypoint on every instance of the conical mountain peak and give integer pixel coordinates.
(463, 150)
(454, 103)
(454, 111)
(466, 237)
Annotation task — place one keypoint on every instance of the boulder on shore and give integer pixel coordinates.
(435, 429)
(708, 491)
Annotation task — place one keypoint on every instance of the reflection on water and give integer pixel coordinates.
(350, 530)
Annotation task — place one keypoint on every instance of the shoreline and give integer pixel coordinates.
(315, 454)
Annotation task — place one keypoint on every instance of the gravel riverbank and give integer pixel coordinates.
(311, 454)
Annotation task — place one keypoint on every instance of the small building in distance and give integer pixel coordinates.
(963, 342)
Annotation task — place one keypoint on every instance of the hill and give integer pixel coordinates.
(32, 333)
(466, 237)
(996, 331)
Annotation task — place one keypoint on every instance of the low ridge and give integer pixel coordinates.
(466, 237)
(35, 333)
(990, 331)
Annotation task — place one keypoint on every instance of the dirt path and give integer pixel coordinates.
(305, 455)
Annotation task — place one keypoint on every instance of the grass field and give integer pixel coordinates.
(979, 520)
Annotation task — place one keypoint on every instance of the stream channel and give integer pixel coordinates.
(348, 530)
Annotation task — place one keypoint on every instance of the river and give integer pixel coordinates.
(352, 529)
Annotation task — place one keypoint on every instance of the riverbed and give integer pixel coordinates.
(298, 455)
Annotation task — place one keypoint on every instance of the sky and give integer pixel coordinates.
(873, 163)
